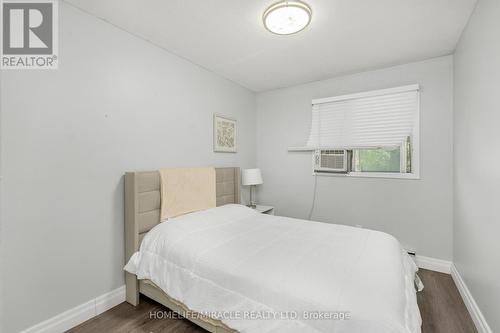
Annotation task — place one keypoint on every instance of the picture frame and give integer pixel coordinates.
(225, 134)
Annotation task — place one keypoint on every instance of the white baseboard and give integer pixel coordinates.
(433, 264)
(476, 314)
(109, 300)
(80, 313)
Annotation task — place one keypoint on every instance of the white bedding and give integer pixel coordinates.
(261, 273)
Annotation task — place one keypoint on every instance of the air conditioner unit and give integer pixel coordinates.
(335, 161)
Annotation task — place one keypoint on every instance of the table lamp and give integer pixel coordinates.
(251, 177)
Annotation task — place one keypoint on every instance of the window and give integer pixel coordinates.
(377, 160)
(372, 134)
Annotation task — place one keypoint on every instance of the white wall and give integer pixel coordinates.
(477, 159)
(115, 104)
(417, 212)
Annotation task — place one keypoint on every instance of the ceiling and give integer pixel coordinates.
(345, 36)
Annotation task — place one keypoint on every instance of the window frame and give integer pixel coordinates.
(415, 139)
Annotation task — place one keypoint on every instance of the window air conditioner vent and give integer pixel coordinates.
(330, 161)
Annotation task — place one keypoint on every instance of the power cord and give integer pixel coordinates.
(314, 197)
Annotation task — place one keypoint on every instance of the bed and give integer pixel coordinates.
(231, 269)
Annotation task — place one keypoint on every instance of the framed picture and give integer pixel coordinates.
(224, 134)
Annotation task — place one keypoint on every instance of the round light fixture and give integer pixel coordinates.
(287, 17)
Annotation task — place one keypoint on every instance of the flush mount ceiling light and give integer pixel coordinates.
(287, 17)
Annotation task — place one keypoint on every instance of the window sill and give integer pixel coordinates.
(385, 175)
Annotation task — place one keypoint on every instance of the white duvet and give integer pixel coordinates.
(261, 273)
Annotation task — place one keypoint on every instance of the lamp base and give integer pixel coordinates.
(252, 203)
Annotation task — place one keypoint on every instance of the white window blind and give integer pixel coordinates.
(383, 118)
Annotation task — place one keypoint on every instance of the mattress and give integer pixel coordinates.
(263, 273)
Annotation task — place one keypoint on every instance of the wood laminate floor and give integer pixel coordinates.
(441, 307)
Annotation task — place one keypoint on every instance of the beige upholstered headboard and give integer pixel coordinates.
(143, 201)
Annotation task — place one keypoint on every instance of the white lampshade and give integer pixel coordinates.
(251, 177)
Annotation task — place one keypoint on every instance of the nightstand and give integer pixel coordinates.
(265, 209)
